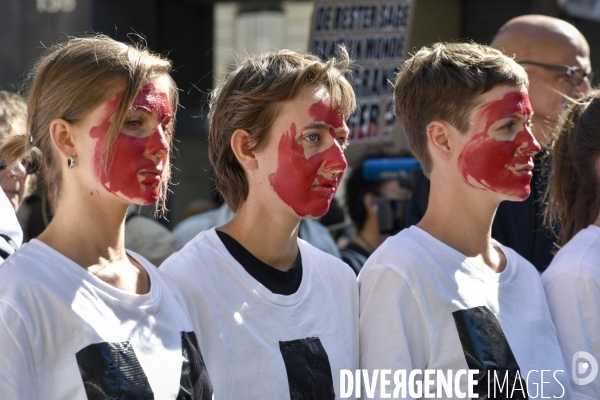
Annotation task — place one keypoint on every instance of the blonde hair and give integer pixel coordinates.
(444, 81)
(251, 98)
(69, 81)
(13, 115)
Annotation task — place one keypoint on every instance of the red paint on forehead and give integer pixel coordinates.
(129, 158)
(488, 160)
(322, 111)
(154, 102)
(295, 176)
(510, 103)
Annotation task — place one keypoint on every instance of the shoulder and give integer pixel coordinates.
(200, 252)
(578, 259)
(401, 253)
(30, 257)
(30, 274)
(324, 263)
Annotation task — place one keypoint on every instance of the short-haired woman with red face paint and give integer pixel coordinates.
(443, 297)
(277, 318)
(80, 316)
(572, 281)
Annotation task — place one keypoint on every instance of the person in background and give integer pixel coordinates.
(572, 281)
(81, 316)
(443, 295)
(339, 226)
(15, 182)
(277, 317)
(148, 237)
(367, 201)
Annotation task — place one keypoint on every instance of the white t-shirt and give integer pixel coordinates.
(9, 225)
(245, 330)
(417, 293)
(572, 284)
(65, 334)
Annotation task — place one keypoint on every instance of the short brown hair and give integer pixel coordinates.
(251, 98)
(573, 193)
(69, 81)
(444, 82)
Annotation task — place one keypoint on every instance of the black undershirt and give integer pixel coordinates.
(278, 282)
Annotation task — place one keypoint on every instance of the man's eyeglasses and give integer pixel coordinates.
(30, 165)
(576, 75)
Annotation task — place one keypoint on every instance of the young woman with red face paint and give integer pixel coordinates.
(277, 317)
(81, 317)
(443, 295)
(572, 281)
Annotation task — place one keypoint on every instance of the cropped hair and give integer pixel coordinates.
(573, 192)
(71, 79)
(251, 98)
(445, 82)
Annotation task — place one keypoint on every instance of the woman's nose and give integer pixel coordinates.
(335, 161)
(157, 143)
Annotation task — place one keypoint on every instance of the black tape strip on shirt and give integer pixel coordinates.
(112, 371)
(195, 383)
(308, 369)
(487, 350)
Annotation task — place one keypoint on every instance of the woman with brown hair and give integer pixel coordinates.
(277, 318)
(572, 281)
(79, 315)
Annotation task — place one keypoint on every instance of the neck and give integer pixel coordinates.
(464, 222)
(87, 233)
(268, 236)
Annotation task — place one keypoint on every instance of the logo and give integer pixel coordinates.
(580, 368)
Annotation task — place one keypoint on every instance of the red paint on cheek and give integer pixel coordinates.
(132, 173)
(297, 181)
(322, 111)
(500, 165)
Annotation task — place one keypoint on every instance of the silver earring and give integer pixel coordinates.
(70, 162)
(427, 128)
(443, 153)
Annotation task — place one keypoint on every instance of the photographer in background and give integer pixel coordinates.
(376, 207)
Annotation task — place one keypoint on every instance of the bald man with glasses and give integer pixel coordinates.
(556, 57)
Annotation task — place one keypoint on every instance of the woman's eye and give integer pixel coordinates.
(508, 126)
(313, 137)
(132, 124)
(343, 142)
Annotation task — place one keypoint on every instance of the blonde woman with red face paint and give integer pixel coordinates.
(572, 281)
(81, 317)
(443, 295)
(277, 317)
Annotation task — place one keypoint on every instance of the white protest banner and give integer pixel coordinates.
(376, 34)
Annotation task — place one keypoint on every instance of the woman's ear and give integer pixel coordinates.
(439, 137)
(61, 133)
(241, 144)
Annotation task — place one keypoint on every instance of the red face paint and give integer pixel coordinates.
(132, 173)
(503, 166)
(322, 111)
(297, 181)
